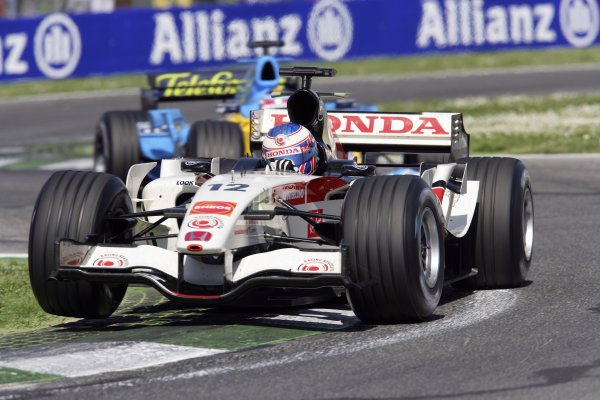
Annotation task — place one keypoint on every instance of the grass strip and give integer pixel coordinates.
(467, 61)
(19, 310)
(41, 155)
(373, 66)
(235, 337)
(40, 87)
(11, 375)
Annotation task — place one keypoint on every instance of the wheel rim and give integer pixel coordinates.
(527, 223)
(429, 247)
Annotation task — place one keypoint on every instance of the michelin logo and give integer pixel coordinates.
(453, 23)
(330, 30)
(57, 46)
(579, 21)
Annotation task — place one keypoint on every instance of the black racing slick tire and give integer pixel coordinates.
(394, 259)
(116, 144)
(215, 139)
(73, 205)
(501, 241)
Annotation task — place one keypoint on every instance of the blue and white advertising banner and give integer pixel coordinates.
(60, 46)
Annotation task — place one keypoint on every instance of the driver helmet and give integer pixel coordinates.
(292, 142)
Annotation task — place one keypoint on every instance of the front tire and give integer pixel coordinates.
(215, 139)
(74, 205)
(116, 144)
(502, 238)
(395, 255)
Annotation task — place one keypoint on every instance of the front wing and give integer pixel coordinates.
(206, 280)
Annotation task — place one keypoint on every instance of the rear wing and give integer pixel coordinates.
(428, 132)
(214, 84)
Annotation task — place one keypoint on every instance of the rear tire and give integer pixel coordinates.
(116, 144)
(215, 139)
(74, 205)
(395, 257)
(502, 237)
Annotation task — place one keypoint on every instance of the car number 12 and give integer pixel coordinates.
(229, 187)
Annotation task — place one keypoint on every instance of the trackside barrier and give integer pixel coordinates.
(60, 46)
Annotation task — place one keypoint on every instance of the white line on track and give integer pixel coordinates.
(9, 161)
(94, 94)
(81, 360)
(78, 163)
(12, 150)
(13, 255)
(315, 318)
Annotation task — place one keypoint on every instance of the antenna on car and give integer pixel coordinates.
(307, 73)
(265, 45)
(341, 95)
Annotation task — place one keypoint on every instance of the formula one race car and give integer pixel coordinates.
(216, 231)
(123, 138)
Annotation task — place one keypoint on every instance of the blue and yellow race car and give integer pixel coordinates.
(124, 138)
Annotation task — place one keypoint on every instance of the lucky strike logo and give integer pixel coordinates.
(206, 222)
(315, 265)
(213, 207)
(111, 261)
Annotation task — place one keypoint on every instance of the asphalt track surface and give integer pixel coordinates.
(539, 341)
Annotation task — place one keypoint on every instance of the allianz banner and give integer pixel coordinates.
(59, 46)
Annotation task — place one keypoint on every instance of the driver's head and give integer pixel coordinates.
(291, 142)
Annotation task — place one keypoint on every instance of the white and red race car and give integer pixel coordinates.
(218, 231)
